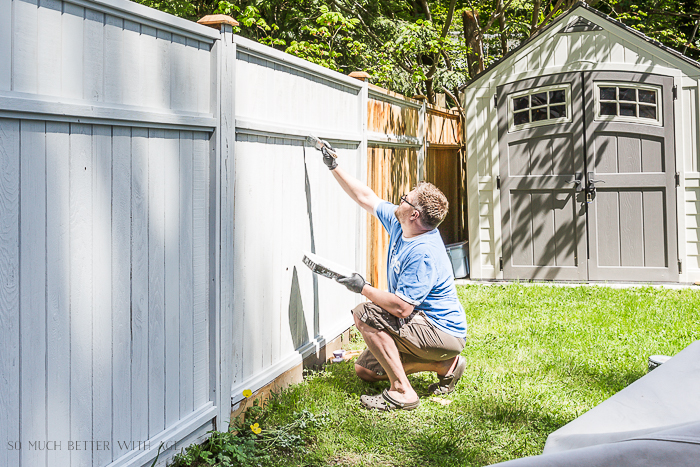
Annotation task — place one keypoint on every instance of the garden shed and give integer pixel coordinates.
(582, 157)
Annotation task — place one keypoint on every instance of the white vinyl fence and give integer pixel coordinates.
(155, 200)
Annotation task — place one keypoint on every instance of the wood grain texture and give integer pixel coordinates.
(9, 287)
(653, 204)
(32, 281)
(81, 286)
(58, 287)
(156, 282)
(139, 284)
(608, 222)
(186, 275)
(49, 53)
(102, 291)
(25, 45)
(121, 289)
(171, 151)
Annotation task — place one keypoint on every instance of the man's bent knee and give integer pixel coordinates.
(365, 374)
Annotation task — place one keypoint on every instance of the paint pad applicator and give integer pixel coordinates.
(324, 267)
(319, 144)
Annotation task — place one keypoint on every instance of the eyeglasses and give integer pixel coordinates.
(404, 199)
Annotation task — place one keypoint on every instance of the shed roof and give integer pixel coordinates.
(577, 5)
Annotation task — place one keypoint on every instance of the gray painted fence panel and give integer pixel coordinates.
(32, 270)
(9, 286)
(156, 283)
(121, 291)
(71, 51)
(139, 284)
(5, 45)
(49, 53)
(58, 286)
(132, 327)
(172, 277)
(102, 293)
(186, 274)
(81, 286)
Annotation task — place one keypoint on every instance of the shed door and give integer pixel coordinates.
(588, 177)
(540, 129)
(630, 149)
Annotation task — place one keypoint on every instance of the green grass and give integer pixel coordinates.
(538, 357)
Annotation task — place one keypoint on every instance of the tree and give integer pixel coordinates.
(425, 46)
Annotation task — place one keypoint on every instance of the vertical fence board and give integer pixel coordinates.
(178, 73)
(149, 66)
(172, 276)
(9, 288)
(121, 289)
(102, 295)
(203, 68)
(114, 65)
(81, 286)
(32, 277)
(93, 56)
(132, 72)
(200, 264)
(5, 45)
(186, 274)
(139, 284)
(25, 45)
(163, 46)
(58, 288)
(72, 51)
(49, 54)
(191, 75)
(156, 282)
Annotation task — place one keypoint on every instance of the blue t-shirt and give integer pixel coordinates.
(419, 272)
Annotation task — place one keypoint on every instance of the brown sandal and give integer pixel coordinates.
(446, 384)
(384, 402)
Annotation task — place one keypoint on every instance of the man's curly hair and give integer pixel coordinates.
(432, 204)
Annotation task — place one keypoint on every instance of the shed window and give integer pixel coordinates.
(541, 106)
(628, 103)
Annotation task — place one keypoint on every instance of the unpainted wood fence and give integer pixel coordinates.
(410, 141)
(156, 197)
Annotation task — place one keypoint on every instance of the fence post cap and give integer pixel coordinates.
(216, 20)
(361, 75)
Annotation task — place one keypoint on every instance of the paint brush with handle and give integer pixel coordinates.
(320, 144)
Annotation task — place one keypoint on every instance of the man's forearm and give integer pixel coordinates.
(388, 301)
(358, 191)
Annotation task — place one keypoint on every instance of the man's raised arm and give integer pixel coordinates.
(358, 191)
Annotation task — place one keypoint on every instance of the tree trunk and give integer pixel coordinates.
(502, 27)
(472, 40)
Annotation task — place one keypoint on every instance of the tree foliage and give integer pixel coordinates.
(421, 47)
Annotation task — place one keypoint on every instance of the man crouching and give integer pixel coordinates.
(419, 324)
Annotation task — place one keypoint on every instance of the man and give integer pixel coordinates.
(419, 324)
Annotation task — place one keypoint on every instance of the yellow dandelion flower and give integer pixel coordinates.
(256, 428)
(247, 393)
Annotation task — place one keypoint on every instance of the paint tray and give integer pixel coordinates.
(326, 268)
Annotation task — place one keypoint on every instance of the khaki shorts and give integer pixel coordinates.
(417, 339)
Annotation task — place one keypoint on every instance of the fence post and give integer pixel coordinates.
(221, 326)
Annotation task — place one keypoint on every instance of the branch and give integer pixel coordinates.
(494, 17)
(547, 18)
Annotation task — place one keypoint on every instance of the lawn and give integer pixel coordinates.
(538, 357)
